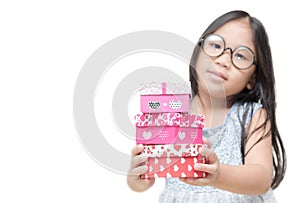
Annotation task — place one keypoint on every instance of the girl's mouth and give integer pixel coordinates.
(218, 75)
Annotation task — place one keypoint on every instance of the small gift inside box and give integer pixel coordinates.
(173, 160)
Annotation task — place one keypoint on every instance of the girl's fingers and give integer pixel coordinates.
(205, 150)
(206, 142)
(139, 170)
(137, 149)
(138, 160)
(208, 168)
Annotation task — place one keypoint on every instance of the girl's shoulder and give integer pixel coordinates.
(240, 109)
(248, 106)
(245, 111)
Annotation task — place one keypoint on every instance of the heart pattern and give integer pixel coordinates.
(173, 169)
(181, 135)
(175, 150)
(164, 160)
(156, 161)
(154, 105)
(175, 104)
(182, 160)
(166, 106)
(147, 134)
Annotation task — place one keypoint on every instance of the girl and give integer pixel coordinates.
(232, 80)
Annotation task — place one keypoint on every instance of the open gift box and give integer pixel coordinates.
(169, 128)
(165, 97)
(173, 160)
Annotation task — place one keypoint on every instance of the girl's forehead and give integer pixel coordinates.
(237, 33)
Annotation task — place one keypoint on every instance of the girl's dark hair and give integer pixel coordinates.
(263, 90)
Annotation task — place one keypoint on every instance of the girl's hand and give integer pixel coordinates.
(211, 168)
(134, 181)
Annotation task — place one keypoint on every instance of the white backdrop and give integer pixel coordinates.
(43, 47)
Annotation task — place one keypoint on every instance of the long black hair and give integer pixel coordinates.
(262, 92)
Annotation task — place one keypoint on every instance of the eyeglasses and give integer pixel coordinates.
(214, 45)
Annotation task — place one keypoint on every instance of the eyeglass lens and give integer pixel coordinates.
(242, 57)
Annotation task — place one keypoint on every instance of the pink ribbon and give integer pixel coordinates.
(164, 87)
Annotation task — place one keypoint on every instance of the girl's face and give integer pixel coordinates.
(218, 75)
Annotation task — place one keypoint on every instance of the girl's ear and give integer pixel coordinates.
(251, 82)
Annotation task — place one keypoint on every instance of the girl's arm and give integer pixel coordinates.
(254, 177)
(134, 181)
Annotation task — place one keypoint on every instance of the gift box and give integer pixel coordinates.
(165, 97)
(173, 160)
(169, 128)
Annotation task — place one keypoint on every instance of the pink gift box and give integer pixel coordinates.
(169, 128)
(173, 160)
(165, 97)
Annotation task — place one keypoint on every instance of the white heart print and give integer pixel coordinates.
(156, 161)
(181, 135)
(147, 134)
(175, 104)
(168, 160)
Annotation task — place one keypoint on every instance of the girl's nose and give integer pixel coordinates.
(224, 60)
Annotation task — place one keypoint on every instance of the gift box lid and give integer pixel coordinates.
(177, 150)
(155, 88)
(169, 119)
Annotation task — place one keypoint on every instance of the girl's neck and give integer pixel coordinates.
(214, 110)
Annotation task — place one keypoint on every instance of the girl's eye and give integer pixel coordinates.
(240, 56)
(216, 46)
(243, 54)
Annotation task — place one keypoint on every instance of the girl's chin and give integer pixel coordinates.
(213, 88)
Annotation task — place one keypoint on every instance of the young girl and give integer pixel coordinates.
(232, 80)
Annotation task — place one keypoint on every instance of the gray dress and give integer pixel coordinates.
(226, 143)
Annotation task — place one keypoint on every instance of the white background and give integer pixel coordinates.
(44, 45)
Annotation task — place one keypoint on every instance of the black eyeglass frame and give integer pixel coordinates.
(200, 43)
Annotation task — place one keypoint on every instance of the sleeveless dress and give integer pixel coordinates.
(226, 143)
